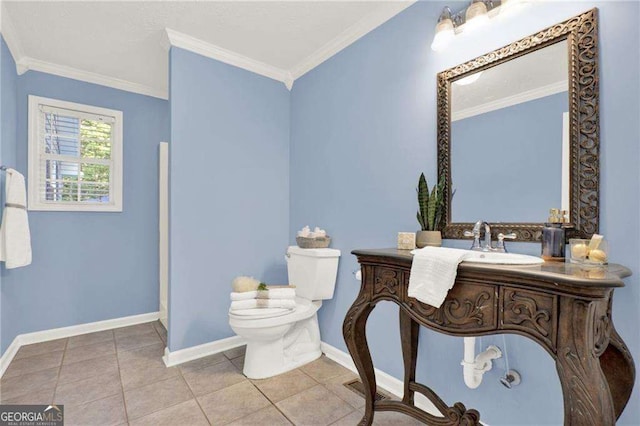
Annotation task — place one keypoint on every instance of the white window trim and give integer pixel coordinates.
(34, 172)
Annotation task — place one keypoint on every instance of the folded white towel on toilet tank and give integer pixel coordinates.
(273, 293)
(433, 273)
(262, 303)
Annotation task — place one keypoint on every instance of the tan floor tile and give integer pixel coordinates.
(41, 348)
(267, 416)
(233, 402)
(390, 418)
(80, 370)
(137, 374)
(94, 350)
(108, 411)
(315, 406)
(90, 339)
(213, 378)
(336, 386)
(161, 330)
(324, 369)
(155, 397)
(87, 390)
(238, 362)
(134, 329)
(284, 385)
(13, 387)
(133, 341)
(350, 420)
(207, 361)
(235, 352)
(145, 353)
(185, 413)
(40, 397)
(34, 363)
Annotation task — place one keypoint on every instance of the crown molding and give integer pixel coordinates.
(10, 37)
(27, 63)
(352, 34)
(192, 44)
(526, 96)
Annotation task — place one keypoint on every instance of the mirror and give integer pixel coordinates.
(518, 133)
(510, 139)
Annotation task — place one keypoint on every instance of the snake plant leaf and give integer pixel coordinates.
(440, 203)
(433, 205)
(423, 201)
(420, 221)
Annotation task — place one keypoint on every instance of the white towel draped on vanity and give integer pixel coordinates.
(433, 273)
(15, 237)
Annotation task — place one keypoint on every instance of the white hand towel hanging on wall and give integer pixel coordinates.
(15, 238)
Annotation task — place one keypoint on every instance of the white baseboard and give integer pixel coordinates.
(74, 330)
(383, 380)
(189, 354)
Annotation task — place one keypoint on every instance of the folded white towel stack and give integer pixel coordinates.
(15, 238)
(433, 273)
(276, 296)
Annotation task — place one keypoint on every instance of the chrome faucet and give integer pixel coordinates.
(475, 233)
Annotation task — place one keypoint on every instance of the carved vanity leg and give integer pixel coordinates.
(587, 399)
(618, 367)
(409, 335)
(354, 332)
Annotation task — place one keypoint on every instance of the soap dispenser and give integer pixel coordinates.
(553, 236)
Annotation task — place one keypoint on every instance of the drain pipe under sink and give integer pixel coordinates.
(475, 366)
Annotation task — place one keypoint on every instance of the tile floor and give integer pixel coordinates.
(117, 377)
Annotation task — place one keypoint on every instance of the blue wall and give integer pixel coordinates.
(90, 266)
(366, 117)
(8, 89)
(507, 150)
(229, 190)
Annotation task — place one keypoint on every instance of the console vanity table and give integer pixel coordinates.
(561, 306)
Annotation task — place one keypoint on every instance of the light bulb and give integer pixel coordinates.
(476, 15)
(442, 38)
(444, 31)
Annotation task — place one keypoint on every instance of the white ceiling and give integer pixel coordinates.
(122, 42)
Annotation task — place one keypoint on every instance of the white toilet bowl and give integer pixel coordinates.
(278, 340)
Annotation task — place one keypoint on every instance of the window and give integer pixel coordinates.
(75, 157)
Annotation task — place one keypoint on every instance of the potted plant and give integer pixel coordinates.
(429, 212)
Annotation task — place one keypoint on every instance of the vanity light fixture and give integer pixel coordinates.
(475, 15)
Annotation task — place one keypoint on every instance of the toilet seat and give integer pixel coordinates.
(260, 313)
(257, 318)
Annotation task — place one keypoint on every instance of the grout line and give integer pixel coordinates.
(194, 395)
(273, 404)
(124, 400)
(55, 389)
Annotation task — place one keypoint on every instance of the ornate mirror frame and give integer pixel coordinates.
(581, 33)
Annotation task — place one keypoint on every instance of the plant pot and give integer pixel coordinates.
(428, 238)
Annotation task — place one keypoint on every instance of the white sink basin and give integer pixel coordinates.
(502, 258)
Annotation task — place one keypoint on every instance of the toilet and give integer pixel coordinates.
(280, 340)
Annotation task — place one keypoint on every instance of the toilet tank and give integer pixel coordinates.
(313, 271)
